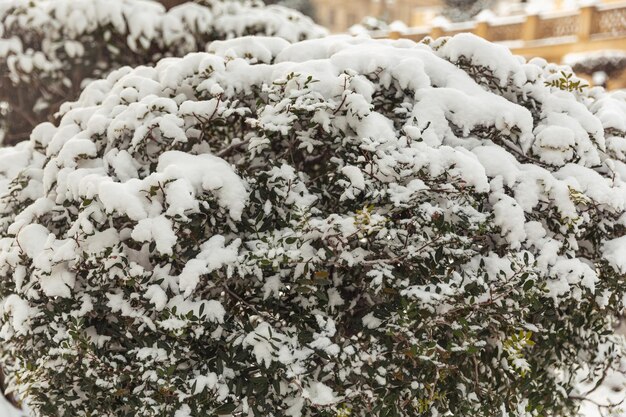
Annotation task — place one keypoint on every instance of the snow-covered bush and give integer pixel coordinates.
(50, 49)
(612, 62)
(600, 65)
(337, 227)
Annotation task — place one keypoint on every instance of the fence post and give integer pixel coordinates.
(530, 28)
(482, 29)
(585, 23)
(436, 32)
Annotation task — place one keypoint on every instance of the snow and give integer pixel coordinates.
(263, 49)
(19, 312)
(7, 410)
(157, 296)
(605, 54)
(355, 176)
(611, 110)
(156, 354)
(509, 216)
(566, 272)
(263, 350)
(615, 253)
(213, 255)
(211, 382)
(404, 194)
(370, 321)
(184, 411)
(611, 391)
(59, 284)
(495, 57)
(320, 394)
(115, 197)
(157, 229)
(207, 173)
(32, 239)
(12, 161)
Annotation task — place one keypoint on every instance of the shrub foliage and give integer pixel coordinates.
(50, 49)
(337, 227)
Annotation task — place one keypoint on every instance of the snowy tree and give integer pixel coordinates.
(50, 49)
(336, 227)
(611, 62)
(601, 65)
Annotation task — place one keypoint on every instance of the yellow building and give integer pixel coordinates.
(551, 29)
(552, 35)
(339, 15)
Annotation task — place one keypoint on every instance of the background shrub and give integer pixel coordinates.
(50, 49)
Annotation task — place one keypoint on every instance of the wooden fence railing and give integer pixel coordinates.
(589, 28)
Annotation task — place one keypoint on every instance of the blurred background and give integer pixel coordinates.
(589, 35)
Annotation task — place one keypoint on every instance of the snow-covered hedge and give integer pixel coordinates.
(612, 62)
(49, 49)
(337, 227)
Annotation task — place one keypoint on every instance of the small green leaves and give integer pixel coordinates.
(567, 82)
